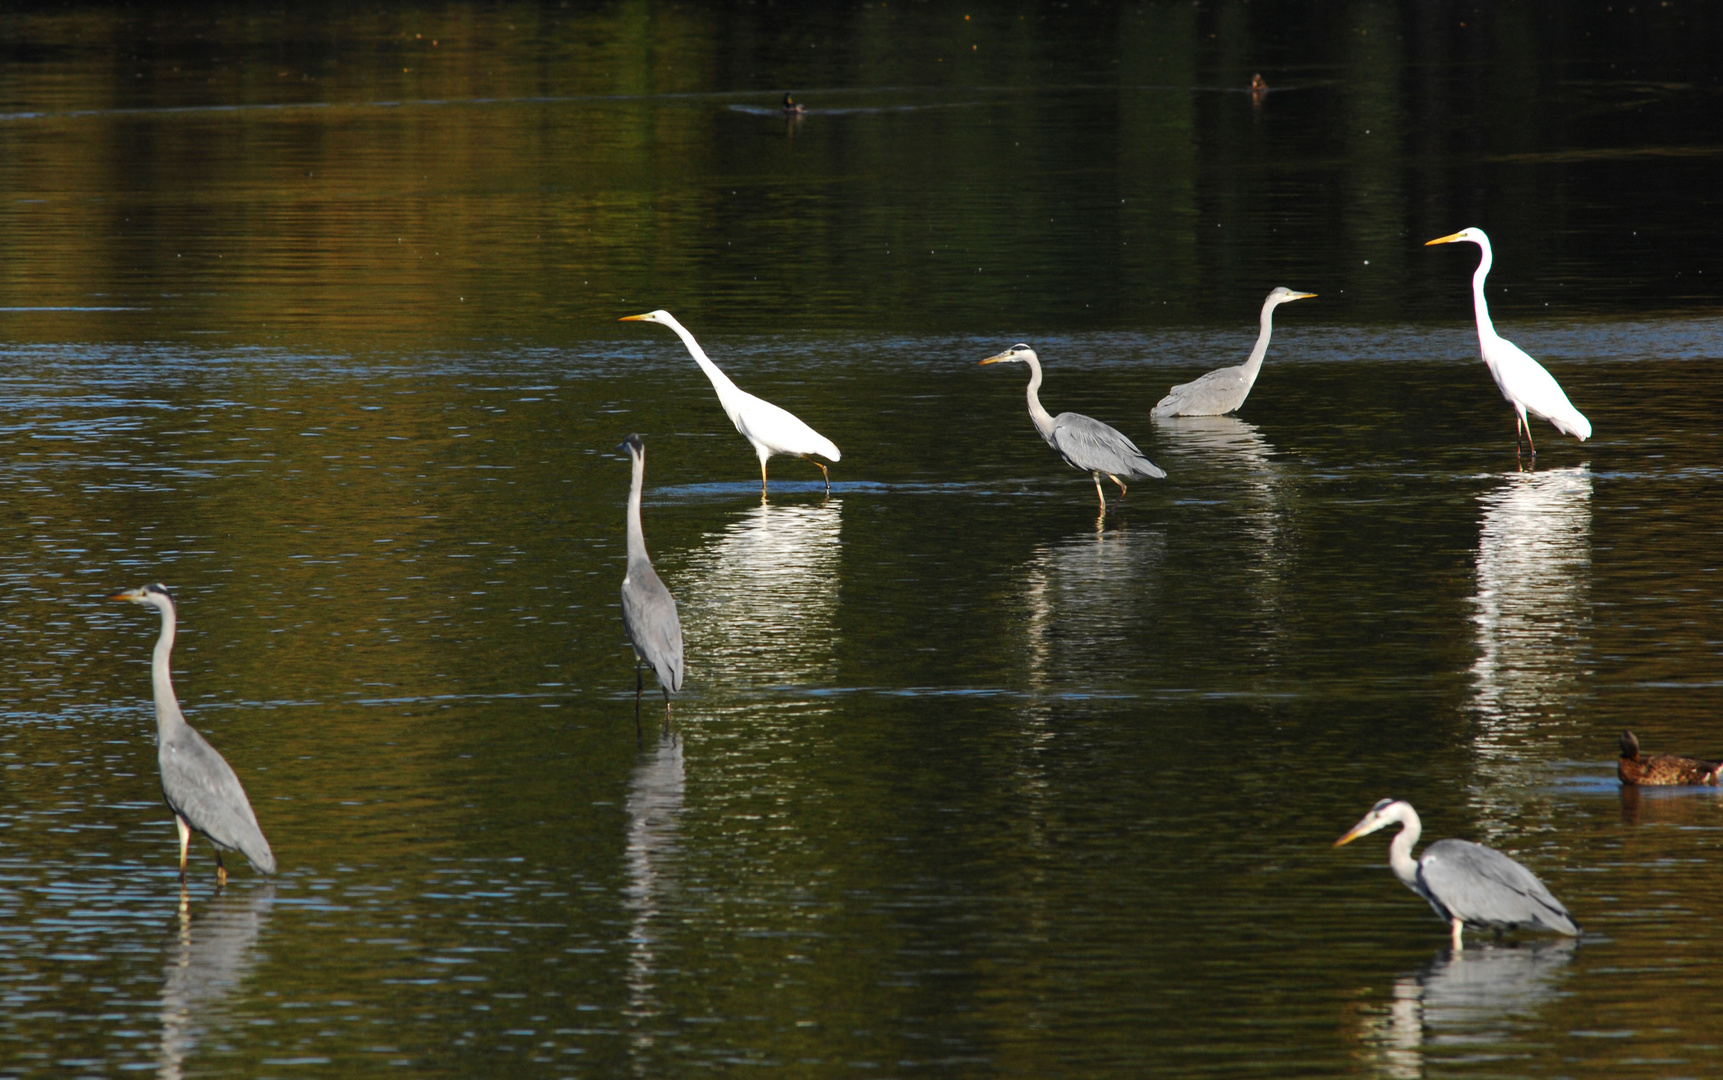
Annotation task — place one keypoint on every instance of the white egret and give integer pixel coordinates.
(1468, 884)
(1224, 390)
(772, 430)
(1084, 442)
(1522, 380)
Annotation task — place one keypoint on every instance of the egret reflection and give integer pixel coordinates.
(1531, 611)
(654, 805)
(1460, 1001)
(211, 955)
(762, 596)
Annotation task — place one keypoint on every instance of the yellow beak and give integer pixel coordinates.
(1349, 837)
(1302, 295)
(1450, 238)
(996, 359)
(631, 318)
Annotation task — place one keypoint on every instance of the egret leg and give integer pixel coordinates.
(184, 842)
(762, 479)
(1098, 493)
(1457, 925)
(220, 871)
(1528, 426)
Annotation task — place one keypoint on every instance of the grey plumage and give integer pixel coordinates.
(197, 782)
(1084, 442)
(1467, 884)
(648, 610)
(1224, 390)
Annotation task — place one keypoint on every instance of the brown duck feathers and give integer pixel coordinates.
(1662, 770)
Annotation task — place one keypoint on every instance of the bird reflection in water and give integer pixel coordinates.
(1531, 611)
(654, 804)
(211, 954)
(1090, 600)
(761, 596)
(1462, 1000)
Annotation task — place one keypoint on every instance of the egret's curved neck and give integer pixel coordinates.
(1400, 851)
(1486, 328)
(729, 394)
(636, 537)
(168, 716)
(1254, 365)
(1043, 419)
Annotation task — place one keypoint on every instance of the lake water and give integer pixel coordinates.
(312, 317)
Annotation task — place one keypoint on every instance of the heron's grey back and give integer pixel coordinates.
(1214, 394)
(1089, 444)
(1483, 886)
(650, 620)
(202, 788)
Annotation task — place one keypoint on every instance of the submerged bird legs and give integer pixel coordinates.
(185, 844)
(1102, 497)
(825, 474)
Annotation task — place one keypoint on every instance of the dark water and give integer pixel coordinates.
(311, 317)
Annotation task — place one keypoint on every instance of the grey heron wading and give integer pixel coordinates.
(1224, 390)
(772, 430)
(1467, 884)
(648, 609)
(197, 782)
(1084, 443)
(1522, 380)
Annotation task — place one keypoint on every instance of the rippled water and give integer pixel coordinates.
(964, 779)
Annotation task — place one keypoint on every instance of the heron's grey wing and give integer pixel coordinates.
(649, 616)
(1213, 394)
(202, 788)
(1089, 444)
(1483, 886)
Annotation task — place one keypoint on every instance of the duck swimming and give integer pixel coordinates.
(1662, 770)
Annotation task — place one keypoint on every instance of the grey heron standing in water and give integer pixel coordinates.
(1468, 884)
(772, 430)
(648, 609)
(1085, 443)
(1224, 390)
(197, 782)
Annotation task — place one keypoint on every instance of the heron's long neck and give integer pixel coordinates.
(1254, 364)
(1400, 851)
(168, 716)
(729, 394)
(636, 537)
(1043, 419)
(1486, 328)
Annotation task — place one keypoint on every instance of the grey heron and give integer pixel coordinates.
(1224, 390)
(1467, 884)
(197, 782)
(772, 430)
(648, 609)
(1522, 380)
(1085, 443)
(1662, 770)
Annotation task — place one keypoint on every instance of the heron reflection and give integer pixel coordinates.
(763, 595)
(654, 804)
(211, 955)
(1090, 600)
(1461, 1000)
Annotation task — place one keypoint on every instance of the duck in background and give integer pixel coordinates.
(1662, 770)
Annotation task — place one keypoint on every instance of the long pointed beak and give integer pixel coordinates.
(1450, 238)
(133, 595)
(997, 359)
(1302, 295)
(1357, 831)
(632, 318)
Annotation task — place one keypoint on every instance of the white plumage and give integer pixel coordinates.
(772, 430)
(1521, 379)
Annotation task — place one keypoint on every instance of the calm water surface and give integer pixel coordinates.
(314, 322)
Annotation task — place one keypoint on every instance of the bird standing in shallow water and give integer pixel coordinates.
(198, 784)
(1085, 443)
(1468, 884)
(1224, 390)
(791, 106)
(1662, 770)
(772, 430)
(648, 610)
(1522, 380)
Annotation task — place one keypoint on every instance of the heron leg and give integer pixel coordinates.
(1457, 925)
(666, 711)
(1119, 482)
(220, 871)
(184, 842)
(1099, 494)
